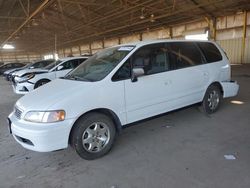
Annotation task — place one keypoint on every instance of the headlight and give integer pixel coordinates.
(26, 77)
(45, 116)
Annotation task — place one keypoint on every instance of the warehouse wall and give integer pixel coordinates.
(229, 34)
(233, 49)
(19, 57)
(230, 37)
(247, 50)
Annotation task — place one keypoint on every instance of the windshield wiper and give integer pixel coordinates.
(78, 78)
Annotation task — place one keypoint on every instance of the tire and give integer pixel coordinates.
(212, 99)
(93, 136)
(41, 82)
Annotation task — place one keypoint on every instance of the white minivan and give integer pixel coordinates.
(27, 80)
(118, 86)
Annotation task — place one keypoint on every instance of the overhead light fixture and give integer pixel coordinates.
(43, 15)
(142, 14)
(8, 47)
(34, 22)
(152, 18)
(239, 11)
(55, 6)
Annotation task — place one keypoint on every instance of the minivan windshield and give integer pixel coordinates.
(100, 65)
(52, 65)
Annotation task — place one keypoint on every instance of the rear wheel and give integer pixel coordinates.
(41, 82)
(212, 99)
(93, 136)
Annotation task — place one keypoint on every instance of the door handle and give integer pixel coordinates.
(167, 82)
(205, 74)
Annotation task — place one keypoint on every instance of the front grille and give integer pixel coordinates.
(17, 113)
(13, 80)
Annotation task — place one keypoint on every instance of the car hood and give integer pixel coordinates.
(53, 92)
(25, 71)
(12, 70)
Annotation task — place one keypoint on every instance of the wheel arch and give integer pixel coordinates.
(217, 84)
(105, 111)
(42, 79)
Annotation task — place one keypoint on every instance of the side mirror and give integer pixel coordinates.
(59, 67)
(31, 67)
(137, 72)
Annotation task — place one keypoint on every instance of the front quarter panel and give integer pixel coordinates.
(94, 95)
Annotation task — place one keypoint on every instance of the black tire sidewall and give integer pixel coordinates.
(81, 125)
(205, 105)
(38, 83)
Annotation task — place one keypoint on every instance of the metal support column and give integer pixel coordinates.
(243, 47)
(214, 28)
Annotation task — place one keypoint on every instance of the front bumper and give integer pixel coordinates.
(9, 77)
(22, 88)
(230, 88)
(41, 137)
(6, 77)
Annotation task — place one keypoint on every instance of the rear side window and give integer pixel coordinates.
(210, 51)
(184, 54)
(69, 64)
(77, 62)
(18, 65)
(41, 64)
(45, 63)
(7, 65)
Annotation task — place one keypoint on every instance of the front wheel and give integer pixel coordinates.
(93, 136)
(212, 99)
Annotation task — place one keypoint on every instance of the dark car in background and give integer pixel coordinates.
(8, 75)
(9, 66)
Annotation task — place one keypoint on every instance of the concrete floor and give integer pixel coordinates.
(182, 149)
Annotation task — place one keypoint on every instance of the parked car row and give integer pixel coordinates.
(27, 80)
(117, 86)
(34, 75)
(9, 66)
(9, 74)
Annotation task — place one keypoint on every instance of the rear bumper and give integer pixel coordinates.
(230, 88)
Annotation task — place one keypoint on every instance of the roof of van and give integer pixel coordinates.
(142, 43)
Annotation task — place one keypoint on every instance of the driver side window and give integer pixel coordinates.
(152, 58)
(124, 72)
